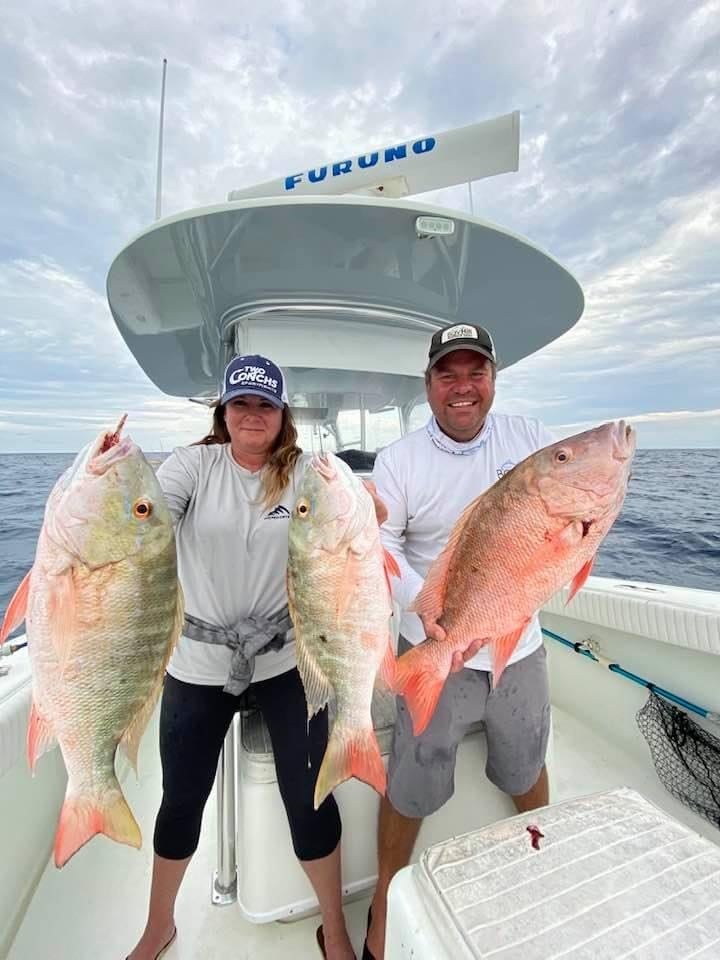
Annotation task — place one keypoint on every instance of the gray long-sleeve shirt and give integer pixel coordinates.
(232, 555)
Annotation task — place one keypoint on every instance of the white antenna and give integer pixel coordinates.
(472, 208)
(411, 167)
(158, 186)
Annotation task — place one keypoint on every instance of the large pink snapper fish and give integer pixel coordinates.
(103, 609)
(534, 531)
(340, 603)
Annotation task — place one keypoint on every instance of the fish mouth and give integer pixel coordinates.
(110, 448)
(322, 466)
(624, 440)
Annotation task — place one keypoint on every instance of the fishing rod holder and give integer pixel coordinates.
(224, 883)
(592, 645)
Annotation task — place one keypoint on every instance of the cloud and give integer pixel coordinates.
(618, 177)
(657, 417)
(661, 428)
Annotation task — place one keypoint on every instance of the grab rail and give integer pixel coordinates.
(582, 649)
(224, 885)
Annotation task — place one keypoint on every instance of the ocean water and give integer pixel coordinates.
(668, 531)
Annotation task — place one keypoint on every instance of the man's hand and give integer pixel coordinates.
(460, 659)
(433, 630)
(381, 511)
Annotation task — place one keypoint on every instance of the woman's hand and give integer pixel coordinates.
(381, 511)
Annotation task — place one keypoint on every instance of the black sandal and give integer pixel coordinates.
(366, 955)
(320, 936)
(166, 947)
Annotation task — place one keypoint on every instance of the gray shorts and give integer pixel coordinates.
(516, 718)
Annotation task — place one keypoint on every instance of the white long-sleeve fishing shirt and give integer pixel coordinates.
(426, 480)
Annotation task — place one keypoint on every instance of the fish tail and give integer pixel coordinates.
(82, 817)
(350, 753)
(420, 676)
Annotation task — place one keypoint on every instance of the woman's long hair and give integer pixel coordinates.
(283, 457)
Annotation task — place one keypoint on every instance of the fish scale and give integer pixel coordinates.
(125, 668)
(339, 600)
(535, 530)
(104, 609)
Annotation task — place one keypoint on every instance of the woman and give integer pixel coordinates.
(232, 495)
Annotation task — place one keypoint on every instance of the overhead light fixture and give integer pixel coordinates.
(434, 227)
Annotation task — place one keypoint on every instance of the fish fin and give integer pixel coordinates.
(350, 753)
(392, 568)
(385, 678)
(123, 767)
(579, 579)
(179, 620)
(431, 599)
(62, 611)
(40, 736)
(502, 649)
(420, 676)
(15, 613)
(315, 682)
(347, 587)
(292, 608)
(130, 740)
(81, 818)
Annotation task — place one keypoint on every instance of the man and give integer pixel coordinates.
(426, 479)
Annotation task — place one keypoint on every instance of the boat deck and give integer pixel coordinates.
(94, 908)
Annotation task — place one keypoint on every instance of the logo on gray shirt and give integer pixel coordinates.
(279, 513)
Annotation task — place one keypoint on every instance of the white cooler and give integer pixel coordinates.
(614, 877)
(271, 883)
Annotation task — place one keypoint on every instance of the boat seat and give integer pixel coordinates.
(358, 460)
(255, 738)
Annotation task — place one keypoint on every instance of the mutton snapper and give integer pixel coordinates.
(103, 609)
(535, 530)
(340, 603)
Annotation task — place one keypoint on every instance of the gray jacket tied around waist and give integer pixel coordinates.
(251, 637)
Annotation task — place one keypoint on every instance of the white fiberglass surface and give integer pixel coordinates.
(94, 908)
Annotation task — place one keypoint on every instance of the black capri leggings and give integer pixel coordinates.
(193, 722)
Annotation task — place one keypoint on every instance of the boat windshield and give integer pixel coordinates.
(354, 413)
(355, 428)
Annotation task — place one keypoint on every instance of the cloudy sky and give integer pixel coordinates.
(619, 179)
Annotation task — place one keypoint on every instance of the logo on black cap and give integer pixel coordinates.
(461, 336)
(254, 375)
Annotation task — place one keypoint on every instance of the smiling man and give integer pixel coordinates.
(426, 480)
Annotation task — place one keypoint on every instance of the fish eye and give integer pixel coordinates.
(303, 508)
(142, 509)
(562, 456)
